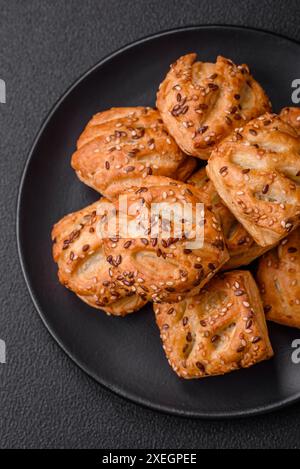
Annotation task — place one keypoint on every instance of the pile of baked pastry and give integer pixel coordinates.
(212, 319)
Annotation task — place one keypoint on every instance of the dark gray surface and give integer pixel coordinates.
(45, 400)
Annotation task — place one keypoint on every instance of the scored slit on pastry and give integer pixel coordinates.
(120, 147)
(256, 171)
(242, 248)
(165, 268)
(82, 263)
(220, 330)
(278, 278)
(201, 103)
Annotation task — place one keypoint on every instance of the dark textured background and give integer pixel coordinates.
(45, 400)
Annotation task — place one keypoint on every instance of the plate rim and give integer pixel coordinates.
(129, 396)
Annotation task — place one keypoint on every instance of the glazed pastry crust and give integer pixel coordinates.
(291, 115)
(166, 268)
(256, 171)
(122, 146)
(220, 330)
(242, 248)
(278, 278)
(201, 103)
(82, 265)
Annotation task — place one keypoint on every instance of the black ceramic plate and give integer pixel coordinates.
(126, 354)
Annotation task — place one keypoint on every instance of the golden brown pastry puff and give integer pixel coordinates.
(165, 265)
(82, 264)
(218, 331)
(201, 103)
(122, 146)
(291, 115)
(279, 281)
(256, 171)
(242, 248)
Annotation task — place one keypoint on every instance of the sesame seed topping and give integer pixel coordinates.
(200, 366)
(256, 339)
(223, 170)
(189, 337)
(129, 169)
(239, 292)
(265, 189)
(214, 338)
(202, 129)
(213, 86)
(185, 320)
